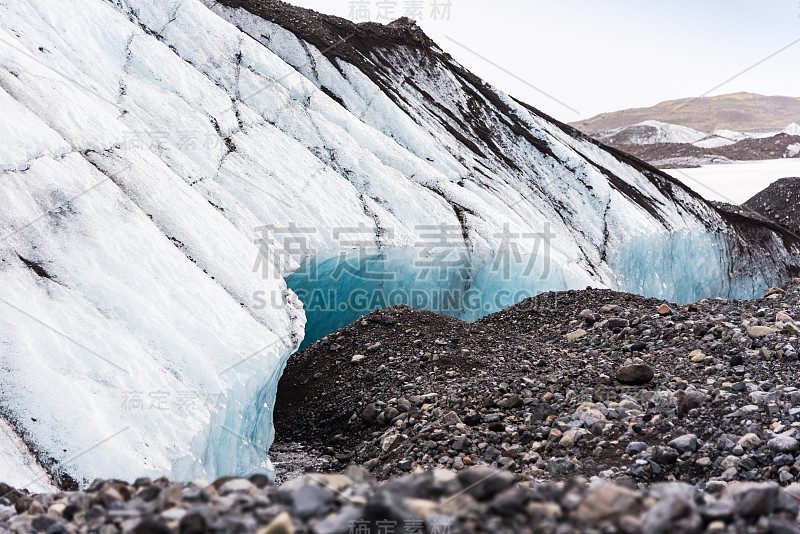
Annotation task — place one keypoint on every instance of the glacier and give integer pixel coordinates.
(181, 178)
(651, 132)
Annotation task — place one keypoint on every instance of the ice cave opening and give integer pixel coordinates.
(338, 288)
(678, 267)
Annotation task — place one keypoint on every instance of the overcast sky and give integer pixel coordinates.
(592, 56)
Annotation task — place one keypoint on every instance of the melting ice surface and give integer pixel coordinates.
(680, 267)
(336, 291)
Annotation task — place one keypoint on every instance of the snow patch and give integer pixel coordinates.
(792, 129)
(652, 132)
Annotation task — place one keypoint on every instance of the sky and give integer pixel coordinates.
(574, 59)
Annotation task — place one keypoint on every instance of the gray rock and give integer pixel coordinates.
(635, 374)
(509, 502)
(728, 462)
(150, 526)
(571, 437)
(749, 441)
(755, 499)
(198, 519)
(403, 404)
(608, 503)
(561, 466)
(511, 401)
(674, 513)
(483, 483)
(615, 322)
(715, 486)
(665, 455)
(282, 524)
(450, 418)
(391, 442)
(311, 501)
(56, 528)
(370, 414)
(237, 485)
(685, 443)
(783, 443)
(340, 522)
(576, 335)
(635, 447)
(688, 401)
(758, 332)
(389, 507)
(43, 523)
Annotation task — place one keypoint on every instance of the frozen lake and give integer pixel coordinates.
(736, 182)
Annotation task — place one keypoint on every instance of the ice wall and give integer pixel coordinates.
(680, 267)
(336, 291)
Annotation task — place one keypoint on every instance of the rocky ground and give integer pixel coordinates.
(779, 203)
(592, 383)
(741, 209)
(481, 499)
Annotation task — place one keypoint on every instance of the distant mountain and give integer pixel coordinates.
(743, 112)
(667, 145)
(651, 133)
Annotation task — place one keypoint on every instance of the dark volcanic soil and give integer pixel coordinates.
(587, 382)
(741, 210)
(779, 203)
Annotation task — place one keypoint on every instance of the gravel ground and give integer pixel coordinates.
(292, 460)
(592, 383)
(480, 499)
(779, 203)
